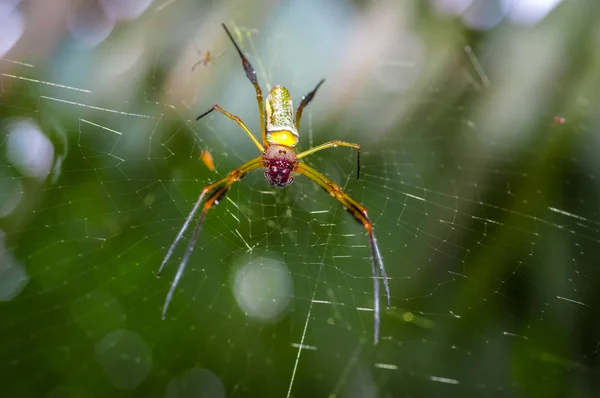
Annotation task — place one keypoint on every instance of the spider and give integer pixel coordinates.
(207, 58)
(279, 160)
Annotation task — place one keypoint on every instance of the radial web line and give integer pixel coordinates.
(310, 309)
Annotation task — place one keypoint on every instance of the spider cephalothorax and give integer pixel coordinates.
(279, 161)
(279, 132)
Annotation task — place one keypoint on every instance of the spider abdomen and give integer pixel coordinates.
(279, 162)
(279, 118)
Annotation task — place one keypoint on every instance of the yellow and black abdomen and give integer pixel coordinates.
(279, 115)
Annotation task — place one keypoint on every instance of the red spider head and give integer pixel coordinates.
(280, 162)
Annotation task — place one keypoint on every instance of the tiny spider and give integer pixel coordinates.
(279, 161)
(207, 58)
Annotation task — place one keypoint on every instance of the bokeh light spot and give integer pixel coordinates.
(90, 25)
(125, 9)
(12, 25)
(29, 150)
(98, 312)
(530, 12)
(11, 193)
(13, 276)
(485, 14)
(451, 7)
(196, 383)
(263, 288)
(125, 358)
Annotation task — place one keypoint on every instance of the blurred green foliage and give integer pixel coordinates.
(485, 204)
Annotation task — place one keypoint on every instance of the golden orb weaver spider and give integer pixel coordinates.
(279, 160)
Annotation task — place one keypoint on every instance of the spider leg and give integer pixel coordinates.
(251, 75)
(360, 214)
(183, 229)
(217, 190)
(189, 218)
(236, 119)
(334, 144)
(220, 55)
(202, 58)
(375, 273)
(305, 101)
(197, 63)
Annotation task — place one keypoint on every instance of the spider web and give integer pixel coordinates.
(485, 205)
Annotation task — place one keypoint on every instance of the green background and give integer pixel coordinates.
(485, 206)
